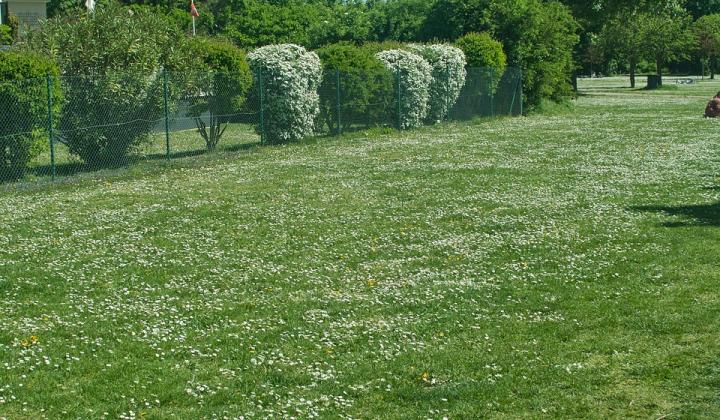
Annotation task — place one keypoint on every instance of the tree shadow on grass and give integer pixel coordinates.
(696, 215)
(73, 168)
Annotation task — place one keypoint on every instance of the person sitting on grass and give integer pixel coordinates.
(713, 107)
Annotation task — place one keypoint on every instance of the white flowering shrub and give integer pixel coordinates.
(448, 77)
(415, 78)
(290, 76)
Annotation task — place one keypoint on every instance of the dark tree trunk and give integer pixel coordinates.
(633, 71)
(211, 132)
(575, 81)
(712, 63)
(659, 65)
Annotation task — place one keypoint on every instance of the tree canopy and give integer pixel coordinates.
(549, 40)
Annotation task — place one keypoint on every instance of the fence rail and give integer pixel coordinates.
(61, 126)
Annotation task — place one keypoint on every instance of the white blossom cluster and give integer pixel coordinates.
(290, 76)
(448, 77)
(415, 77)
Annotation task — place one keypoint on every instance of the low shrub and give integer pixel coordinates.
(448, 77)
(290, 77)
(414, 75)
(23, 109)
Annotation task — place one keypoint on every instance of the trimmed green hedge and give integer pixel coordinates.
(366, 88)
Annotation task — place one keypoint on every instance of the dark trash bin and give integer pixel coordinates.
(654, 82)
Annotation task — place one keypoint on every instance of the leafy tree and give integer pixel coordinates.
(62, 7)
(707, 35)
(622, 39)
(594, 55)
(222, 90)
(376, 47)
(665, 38)
(593, 16)
(112, 61)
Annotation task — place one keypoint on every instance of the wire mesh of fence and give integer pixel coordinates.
(61, 126)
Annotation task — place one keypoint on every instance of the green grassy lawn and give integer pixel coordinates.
(557, 265)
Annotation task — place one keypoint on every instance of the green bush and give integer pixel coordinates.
(14, 23)
(113, 62)
(486, 58)
(222, 90)
(481, 50)
(6, 35)
(366, 87)
(486, 62)
(23, 109)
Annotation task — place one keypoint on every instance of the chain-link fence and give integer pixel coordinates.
(56, 127)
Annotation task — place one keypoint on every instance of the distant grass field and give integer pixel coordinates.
(557, 265)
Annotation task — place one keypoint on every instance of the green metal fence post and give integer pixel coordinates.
(339, 107)
(512, 102)
(51, 135)
(447, 92)
(492, 92)
(521, 93)
(399, 99)
(167, 116)
(262, 106)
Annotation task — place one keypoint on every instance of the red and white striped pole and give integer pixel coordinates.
(194, 13)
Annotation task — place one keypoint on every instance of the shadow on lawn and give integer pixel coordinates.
(698, 215)
(68, 169)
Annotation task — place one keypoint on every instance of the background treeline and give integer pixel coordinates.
(647, 36)
(550, 40)
(538, 36)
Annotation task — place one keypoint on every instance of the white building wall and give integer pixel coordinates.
(28, 12)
